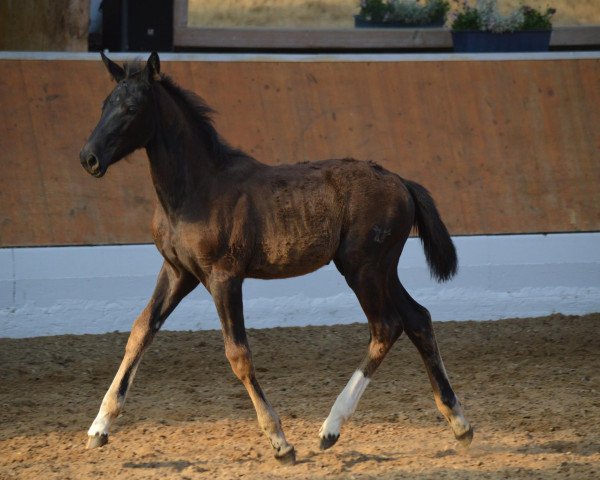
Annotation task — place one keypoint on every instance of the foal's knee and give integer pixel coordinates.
(240, 359)
(383, 337)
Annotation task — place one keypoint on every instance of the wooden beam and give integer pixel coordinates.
(180, 14)
(308, 39)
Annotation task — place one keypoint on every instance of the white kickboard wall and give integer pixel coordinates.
(76, 290)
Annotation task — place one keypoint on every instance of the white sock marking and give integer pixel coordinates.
(105, 417)
(344, 405)
(101, 425)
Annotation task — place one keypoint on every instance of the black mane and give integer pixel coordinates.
(201, 114)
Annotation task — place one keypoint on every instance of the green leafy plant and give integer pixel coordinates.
(536, 20)
(484, 16)
(404, 12)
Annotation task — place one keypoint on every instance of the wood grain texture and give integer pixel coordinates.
(505, 147)
(44, 25)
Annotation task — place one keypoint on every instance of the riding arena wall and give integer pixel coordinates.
(508, 145)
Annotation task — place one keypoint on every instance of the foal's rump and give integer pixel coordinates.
(382, 208)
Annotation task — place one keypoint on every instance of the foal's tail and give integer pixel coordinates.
(438, 246)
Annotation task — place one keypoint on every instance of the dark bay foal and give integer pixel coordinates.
(222, 216)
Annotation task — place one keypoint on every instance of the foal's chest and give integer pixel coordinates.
(193, 247)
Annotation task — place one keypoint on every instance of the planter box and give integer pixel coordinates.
(360, 22)
(525, 41)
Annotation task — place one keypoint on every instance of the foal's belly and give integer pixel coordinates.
(294, 245)
(292, 256)
(297, 231)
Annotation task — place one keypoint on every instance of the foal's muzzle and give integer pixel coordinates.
(90, 162)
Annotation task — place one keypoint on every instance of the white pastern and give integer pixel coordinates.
(344, 405)
(101, 425)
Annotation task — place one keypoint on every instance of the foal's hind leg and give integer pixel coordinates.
(171, 287)
(419, 328)
(385, 328)
(227, 294)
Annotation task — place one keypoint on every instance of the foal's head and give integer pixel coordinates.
(128, 120)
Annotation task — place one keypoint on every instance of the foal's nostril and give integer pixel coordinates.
(92, 162)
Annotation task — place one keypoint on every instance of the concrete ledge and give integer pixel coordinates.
(307, 57)
(60, 290)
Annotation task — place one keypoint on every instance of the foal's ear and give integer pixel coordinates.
(116, 72)
(153, 67)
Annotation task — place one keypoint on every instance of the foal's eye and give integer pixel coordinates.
(131, 109)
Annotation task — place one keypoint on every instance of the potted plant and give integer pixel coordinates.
(401, 13)
(481, 28)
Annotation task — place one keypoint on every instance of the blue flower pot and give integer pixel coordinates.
(523, 41)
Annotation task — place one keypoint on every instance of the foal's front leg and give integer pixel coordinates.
(227, 294)
(171, 287)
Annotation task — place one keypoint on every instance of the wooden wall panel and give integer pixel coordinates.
(504, 146)
(44, 25)
(48, 109)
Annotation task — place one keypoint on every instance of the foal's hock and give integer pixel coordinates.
(222, 216)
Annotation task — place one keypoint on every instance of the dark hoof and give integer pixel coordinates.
(466, 438)
(328, 441)
(287, 457)
(97, 441)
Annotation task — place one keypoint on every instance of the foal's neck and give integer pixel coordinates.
(180, 163)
